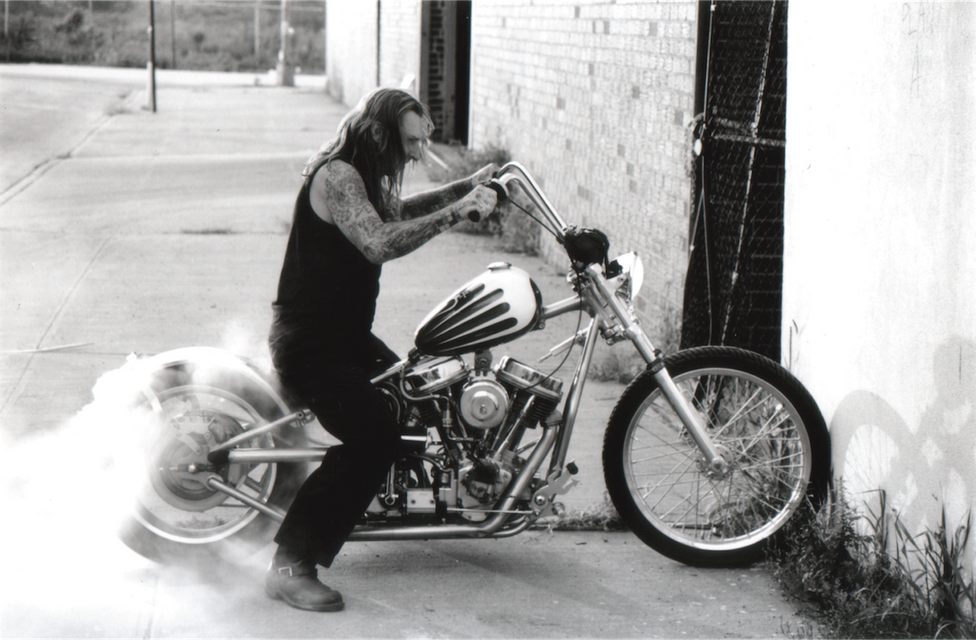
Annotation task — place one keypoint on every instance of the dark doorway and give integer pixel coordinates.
(445, 66)
(734, 286)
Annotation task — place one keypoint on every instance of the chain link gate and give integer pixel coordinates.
(733, 289)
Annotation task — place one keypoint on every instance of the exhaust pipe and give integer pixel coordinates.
(490, 528)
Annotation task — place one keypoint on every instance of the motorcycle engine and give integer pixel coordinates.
(484, 410)
(483, 404)
(481, 482)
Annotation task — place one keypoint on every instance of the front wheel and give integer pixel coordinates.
(765, 424)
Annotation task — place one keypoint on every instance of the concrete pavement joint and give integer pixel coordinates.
(27, 180)
(42, 168)
(25, 376)
(180, 159)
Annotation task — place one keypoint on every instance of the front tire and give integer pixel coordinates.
(767, 426)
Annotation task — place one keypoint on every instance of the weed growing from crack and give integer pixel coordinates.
(598, 517)
(885, 583)
(601, 516)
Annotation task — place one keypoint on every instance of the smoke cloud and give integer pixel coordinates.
(64, 495)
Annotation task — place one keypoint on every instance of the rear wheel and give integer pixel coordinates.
(767, 427)
(178, 516)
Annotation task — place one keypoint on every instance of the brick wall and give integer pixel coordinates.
(593, 96)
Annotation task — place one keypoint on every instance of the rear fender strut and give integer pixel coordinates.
(219, 453)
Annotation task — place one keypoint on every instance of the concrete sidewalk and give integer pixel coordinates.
(157, 231)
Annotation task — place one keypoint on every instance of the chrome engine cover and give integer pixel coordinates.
(484, 404)
(520, 376)
(435, 375)
(480, 483)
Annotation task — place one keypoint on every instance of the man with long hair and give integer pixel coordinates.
(349, 218)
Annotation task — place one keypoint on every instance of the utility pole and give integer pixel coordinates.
(172, 30)
(286, 74)
(257, 31)
(91, 25)
(151, 65)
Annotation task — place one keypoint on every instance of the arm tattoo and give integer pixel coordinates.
(422, 204)
(358, 220)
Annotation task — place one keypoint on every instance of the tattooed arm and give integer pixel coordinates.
(338, 196)
(426, 202)
(421, 204)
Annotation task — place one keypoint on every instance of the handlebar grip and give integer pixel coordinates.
(499, 188)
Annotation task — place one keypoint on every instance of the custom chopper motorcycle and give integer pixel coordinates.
(707, 455)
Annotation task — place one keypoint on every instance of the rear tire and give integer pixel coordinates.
(772, 434)
(177, 518)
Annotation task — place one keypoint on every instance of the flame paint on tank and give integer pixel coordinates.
(498, 306)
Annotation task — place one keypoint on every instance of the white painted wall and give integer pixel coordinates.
(354, 58)
(400, 22)
(879, 292)
(351, 52)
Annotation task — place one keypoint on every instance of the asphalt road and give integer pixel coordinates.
(124, 231)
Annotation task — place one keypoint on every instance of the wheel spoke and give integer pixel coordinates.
(754, 424)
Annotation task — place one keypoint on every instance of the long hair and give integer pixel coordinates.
(368, 138)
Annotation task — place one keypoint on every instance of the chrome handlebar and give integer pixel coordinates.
(515, 172)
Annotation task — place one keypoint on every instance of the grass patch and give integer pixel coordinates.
(601, 516)
(885, 583)
(208, 232)
(620, 365)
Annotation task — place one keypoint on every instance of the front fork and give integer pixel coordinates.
(715, 462)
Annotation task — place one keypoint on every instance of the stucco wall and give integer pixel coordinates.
(593, 98)
(879, 292)
(355, 59)
(350, 41)
(400, 46)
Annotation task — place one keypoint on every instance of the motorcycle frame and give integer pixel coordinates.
(610, 316)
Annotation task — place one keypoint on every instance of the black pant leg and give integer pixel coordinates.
(332, 501)
(335, 496)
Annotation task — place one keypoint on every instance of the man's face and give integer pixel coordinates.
(413, 135)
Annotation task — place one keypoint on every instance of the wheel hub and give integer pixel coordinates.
(720, 467)
(180, 468)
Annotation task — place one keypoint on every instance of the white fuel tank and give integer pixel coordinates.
(498, 306)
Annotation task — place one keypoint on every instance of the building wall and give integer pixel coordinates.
(400, 45)
(351, 49)
(593, 98)
(356, 59)
(879, 291)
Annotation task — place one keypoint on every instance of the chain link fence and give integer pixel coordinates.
(733, 291)
(210, 35)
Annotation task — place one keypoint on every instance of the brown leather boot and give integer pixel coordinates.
(297, 584)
